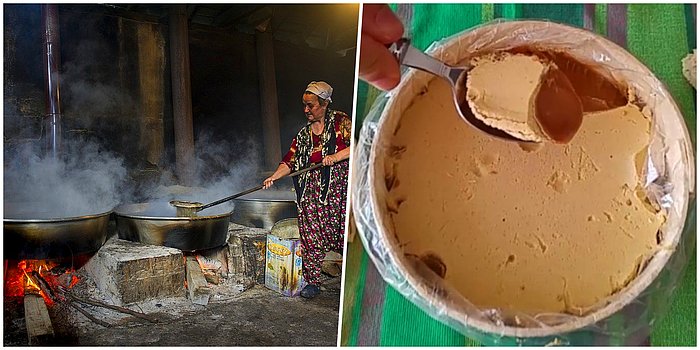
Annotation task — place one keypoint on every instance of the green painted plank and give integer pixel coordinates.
(571, 14)
(679, 326)
(487, 13)
(433, 22)
(600, 24)
(512, 11)
(404, 324)
(355, 267)
(662, 49)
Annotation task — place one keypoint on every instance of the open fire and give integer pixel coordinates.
(40, 284)
(41, 277)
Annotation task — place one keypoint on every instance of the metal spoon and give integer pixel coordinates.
(408, 55)
(560, 120)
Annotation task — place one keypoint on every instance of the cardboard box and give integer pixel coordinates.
(283, 267)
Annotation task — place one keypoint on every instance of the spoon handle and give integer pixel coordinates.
(407, 55)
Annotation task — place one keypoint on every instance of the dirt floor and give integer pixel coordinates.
(253, 317)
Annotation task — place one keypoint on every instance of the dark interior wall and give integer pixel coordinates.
(295, 69)
(225, 93)
(23, 95)
(225, 97)
(100, 84)
(97, 81)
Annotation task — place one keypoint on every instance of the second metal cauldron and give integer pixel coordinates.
(157, 224)
(262, 213)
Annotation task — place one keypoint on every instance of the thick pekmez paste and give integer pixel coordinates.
(553, 228)
(526, 96)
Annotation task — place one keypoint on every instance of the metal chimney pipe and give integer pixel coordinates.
(52, 62)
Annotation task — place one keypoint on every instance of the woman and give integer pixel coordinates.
(322, 192)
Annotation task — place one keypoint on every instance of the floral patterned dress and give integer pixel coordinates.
(322, 192)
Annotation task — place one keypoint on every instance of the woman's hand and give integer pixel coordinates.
(337, 157)
(380, 28)
(330, 160)
(282, 171)
(268, 182)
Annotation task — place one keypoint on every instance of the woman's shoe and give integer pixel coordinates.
(310, 291)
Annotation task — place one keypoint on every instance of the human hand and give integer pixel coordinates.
(329, 160)
(267, 183)
(380, 28)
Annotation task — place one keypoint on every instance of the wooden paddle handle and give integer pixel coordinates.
(298, 172)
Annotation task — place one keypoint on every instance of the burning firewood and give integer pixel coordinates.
(43, 285)
(211, 268)
(211, 277)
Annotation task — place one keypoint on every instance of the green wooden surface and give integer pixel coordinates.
(659, 35)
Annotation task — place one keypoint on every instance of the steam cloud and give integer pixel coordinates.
(223, 168)
(91, 179)
(86, 181)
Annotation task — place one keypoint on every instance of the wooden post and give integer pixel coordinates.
(182, 94)
(151, 58)
(264, 43)
(36, 315)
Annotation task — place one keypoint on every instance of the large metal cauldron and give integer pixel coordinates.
(158, 224)
(263, 212)
(28, 238)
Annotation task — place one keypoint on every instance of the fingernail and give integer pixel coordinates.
(386, 83)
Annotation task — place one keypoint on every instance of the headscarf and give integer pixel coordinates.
(320, 89)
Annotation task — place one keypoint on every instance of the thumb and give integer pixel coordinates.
(379, 22)
(377, 65)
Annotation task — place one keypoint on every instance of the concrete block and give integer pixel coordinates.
(235, 262)
(247, 253)
(129, 272)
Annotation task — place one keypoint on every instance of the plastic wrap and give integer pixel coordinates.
(669, 181)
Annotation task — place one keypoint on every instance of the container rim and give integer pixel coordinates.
(394, 256)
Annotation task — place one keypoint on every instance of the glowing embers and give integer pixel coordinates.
(40, 277)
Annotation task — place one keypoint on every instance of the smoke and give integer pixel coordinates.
(85, 180)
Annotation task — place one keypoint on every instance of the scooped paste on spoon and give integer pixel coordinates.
(525, 96)
(553, 229)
